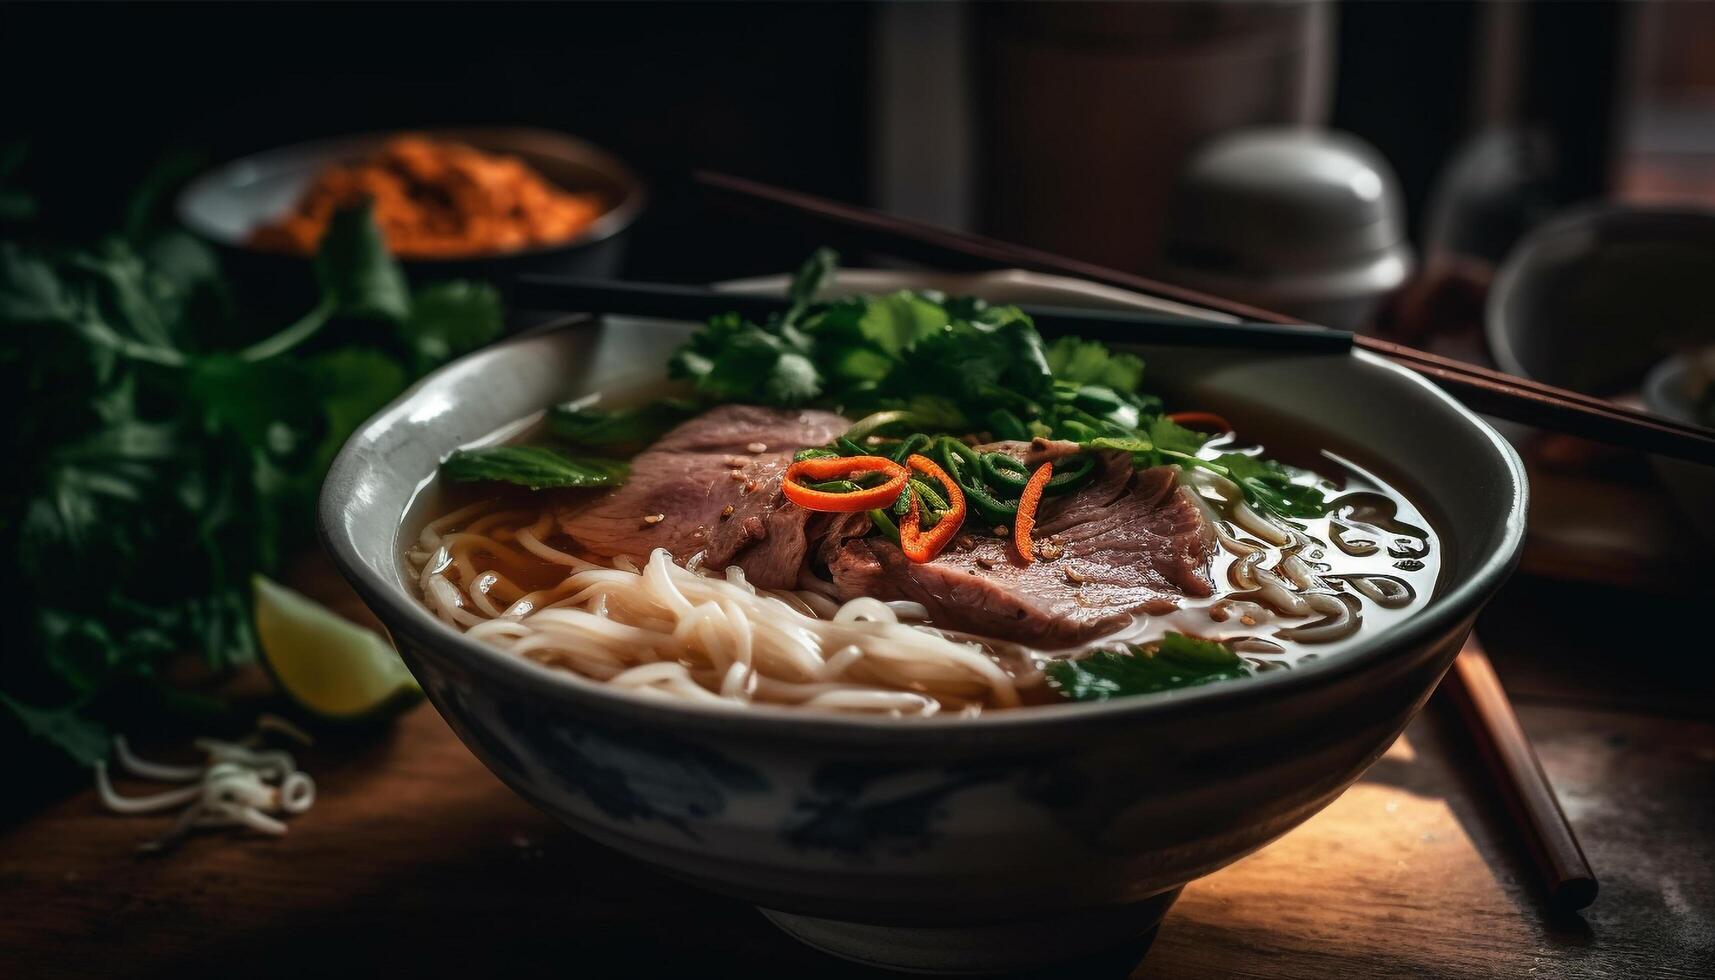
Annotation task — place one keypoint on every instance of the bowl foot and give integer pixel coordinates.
(1011, 947)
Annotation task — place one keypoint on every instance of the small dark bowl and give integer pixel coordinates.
(1596, 297)
(227, 204)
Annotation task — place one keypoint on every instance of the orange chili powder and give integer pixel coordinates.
(437, 199)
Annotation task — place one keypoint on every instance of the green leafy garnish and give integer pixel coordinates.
(357, 275)
(1276, 486)
(955, 365)
(1177, 661)
(536, 467)
(449, 318)
(166, 443)
(618, 431)
(1088, 362)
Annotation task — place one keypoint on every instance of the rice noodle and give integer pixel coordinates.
(690, 633)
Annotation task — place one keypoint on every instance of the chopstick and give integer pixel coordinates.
(563, 293)
(1517, 774)
(1484, 390)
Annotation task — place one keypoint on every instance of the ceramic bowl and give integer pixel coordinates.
(1669, 391)
(1594, 298)
(955, 845)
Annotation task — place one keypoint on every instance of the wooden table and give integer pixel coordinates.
(416, 860)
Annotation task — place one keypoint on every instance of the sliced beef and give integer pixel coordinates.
(1130, 543)
(693, 474)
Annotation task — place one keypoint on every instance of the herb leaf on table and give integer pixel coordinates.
(165, 446)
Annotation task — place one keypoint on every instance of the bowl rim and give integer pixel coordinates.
(1598, 221)
(621, 216)
(402, 612)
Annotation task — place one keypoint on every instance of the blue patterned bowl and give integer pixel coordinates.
(952, 845)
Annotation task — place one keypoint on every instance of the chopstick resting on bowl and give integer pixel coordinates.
(1485, 390)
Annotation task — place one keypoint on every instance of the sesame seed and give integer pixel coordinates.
(737, 475)
(986, 562)
(1073, 577)
(964, 542)
(654, 518)
(750, 486)
(1248, 619)
(757, 447)
(1050, 550)
(735, 462)
(1001, 530)
(726, 512)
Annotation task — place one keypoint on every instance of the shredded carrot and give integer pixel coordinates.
(1025, 522)
(1201, 421)
(843, 468)
(921, 546)
(437, 199)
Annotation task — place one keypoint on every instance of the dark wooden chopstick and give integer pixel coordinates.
(562, 293)
(1484, 390)
(1518, 777)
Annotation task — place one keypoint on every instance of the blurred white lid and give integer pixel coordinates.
(1270, 201)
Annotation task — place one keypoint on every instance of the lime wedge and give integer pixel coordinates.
(329, 665)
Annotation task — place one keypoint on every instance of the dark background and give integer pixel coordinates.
(786, 93)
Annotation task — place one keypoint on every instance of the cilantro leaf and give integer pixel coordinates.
(736, 360)
(65, 728)
(1279, 488)
(30, 291)
(354, 383)
(899, 321)
(1170, 435)
(813, 276)
(1178, 661)
(144, 430)
(357, 275)
(1088, 362)
(449, 319)
(536, 467)
(621, 431)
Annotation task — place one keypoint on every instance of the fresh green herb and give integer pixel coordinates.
(165, 444)
(535, 467)
(618, 431)
(1177, 661)
(920, 361)
(1280, 488)
(1086, 362)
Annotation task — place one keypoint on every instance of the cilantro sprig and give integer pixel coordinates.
(165, 442)
(958, 365)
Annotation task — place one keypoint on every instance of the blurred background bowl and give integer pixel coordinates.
(1608, 300)
(1672, 388)
(227, 204)
(1594, 299)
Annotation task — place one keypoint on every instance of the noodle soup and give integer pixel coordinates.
(499, 566)
(909, 505)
